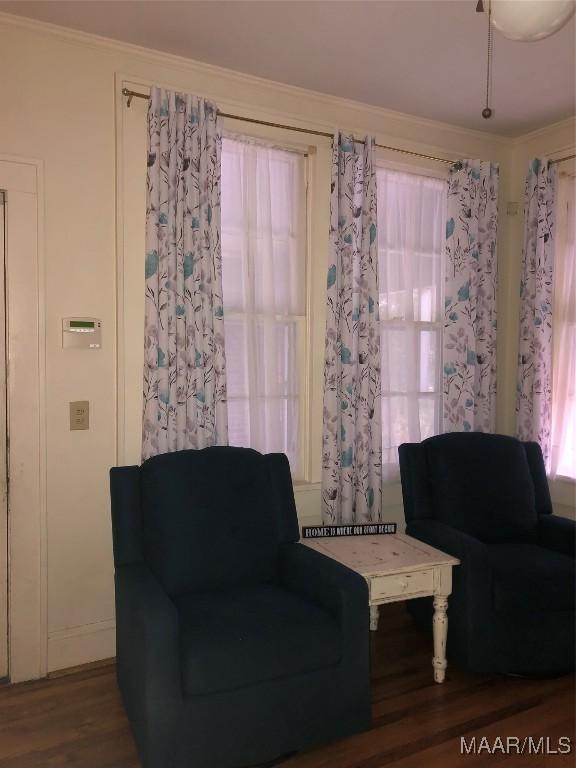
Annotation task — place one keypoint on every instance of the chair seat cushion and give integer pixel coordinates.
(529, 578)
(242, 637)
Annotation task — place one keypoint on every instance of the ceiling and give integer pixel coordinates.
(421, 57)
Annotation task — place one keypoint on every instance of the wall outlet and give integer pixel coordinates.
(80, 414)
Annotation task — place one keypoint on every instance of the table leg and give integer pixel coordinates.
(440, 626)
(373, 618)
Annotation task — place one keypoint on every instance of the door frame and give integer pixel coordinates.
(3, 458)
(22, 179)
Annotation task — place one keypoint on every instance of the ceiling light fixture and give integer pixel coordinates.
(524, 21)
(529, 20)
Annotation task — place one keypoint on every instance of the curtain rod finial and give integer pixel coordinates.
(129, 95)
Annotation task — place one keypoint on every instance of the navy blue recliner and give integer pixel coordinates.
(485, 499)
(235, 644)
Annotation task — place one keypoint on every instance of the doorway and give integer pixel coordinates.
(23, 624)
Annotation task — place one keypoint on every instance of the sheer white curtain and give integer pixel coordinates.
(563, 456)
(411, 236)
(263, 276)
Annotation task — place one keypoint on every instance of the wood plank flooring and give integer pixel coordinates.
(77, 720)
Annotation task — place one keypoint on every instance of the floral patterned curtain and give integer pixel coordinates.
(534, 384)
(184, 365)
(352, 431)
(469, 338)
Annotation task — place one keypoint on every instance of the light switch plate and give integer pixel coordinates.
(80, 414)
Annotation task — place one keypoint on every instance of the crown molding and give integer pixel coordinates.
(181, 64)
(546, 130)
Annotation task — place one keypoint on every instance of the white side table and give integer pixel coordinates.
(398, 567)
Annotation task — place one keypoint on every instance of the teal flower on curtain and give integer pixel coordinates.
(332, 275)
(469, 338)
(464, 292)
(347, 457)
(184, 403)
(352, 434)
(534, 377)
(151, 264)
(188, 265)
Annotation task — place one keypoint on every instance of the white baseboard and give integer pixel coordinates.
(73, 646)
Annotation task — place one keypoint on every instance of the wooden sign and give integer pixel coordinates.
(330, 531)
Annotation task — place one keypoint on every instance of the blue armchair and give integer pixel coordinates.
(235, 644)
(485, 499)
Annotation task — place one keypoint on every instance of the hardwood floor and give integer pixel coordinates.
(77, 720)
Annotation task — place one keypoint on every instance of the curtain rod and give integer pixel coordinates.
(135, 95)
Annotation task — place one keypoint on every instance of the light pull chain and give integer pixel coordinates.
(487, 111)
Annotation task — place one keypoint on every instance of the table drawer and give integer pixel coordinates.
(382, 587)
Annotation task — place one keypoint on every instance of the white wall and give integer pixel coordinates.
(60, 103)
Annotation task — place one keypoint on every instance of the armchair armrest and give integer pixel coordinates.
(473, 577)
(146, 612)
(147, 656)
(472, 636)
(334, 587)
(557, 533)
(450, 540)
(344, 594)
(326, 582)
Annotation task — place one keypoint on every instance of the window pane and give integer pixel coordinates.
(236, 349)
(397, 363)
(429, 360)
(263, 224)
(234, 272)
(428, 416)
(239, 423)
(411, 227)
(410, 358)
(395, 428)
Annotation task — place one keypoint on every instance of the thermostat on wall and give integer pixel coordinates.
(81, 333)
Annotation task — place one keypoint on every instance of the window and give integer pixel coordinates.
(564, 318)
(264, 287)
(411, 232)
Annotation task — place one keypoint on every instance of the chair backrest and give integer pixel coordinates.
(490, 486)
(204, 520)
